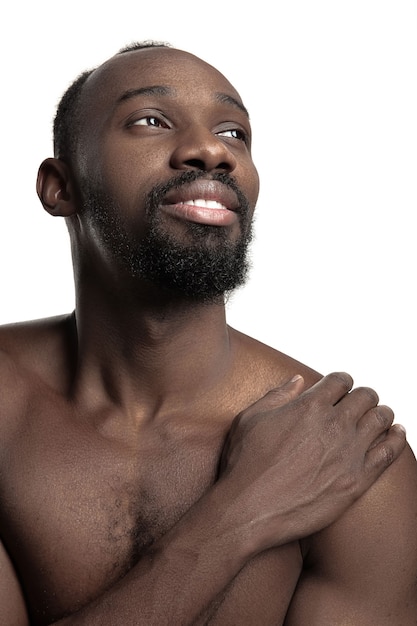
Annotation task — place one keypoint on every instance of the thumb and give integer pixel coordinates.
(285, 393)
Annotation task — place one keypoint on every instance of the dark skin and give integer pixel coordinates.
(159, 467)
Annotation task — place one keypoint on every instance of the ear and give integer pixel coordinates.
(55, 188)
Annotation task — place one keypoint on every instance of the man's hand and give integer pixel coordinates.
(297, 462)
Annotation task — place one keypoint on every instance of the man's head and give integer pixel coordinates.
(153, 168)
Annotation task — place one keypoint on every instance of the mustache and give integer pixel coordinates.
(158, 192)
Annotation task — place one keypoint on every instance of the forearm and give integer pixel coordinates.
(182, 573)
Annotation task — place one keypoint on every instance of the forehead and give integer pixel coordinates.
(181, 71)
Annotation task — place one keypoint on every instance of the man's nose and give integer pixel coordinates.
(200, 149)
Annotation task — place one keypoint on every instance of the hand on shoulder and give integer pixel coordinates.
(298, 459)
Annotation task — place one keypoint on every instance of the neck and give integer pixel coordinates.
(145, 354)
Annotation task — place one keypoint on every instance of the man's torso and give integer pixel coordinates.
(84, 493)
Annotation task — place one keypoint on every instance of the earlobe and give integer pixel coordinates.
(54, 188)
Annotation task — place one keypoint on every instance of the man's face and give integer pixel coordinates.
(167, 180)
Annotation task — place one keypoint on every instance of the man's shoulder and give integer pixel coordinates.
(269, 363)
(390, 501)
(19, 341)
(30, 352)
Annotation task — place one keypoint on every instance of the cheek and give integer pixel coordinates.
(134, 165)
(128, 173)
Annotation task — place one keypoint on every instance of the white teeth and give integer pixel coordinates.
(207, 204)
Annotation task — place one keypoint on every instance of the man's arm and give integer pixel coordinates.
(362, 570)
(316, 451)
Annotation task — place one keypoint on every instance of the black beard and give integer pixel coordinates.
(204, 270)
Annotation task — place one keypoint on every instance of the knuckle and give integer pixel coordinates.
(386, 454)
(399, 431)
(383, 416)
(370, 393)
(342, 378)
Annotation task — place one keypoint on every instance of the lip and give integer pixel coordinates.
(182, 203)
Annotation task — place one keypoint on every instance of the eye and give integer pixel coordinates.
(234, 133)
(149, 120)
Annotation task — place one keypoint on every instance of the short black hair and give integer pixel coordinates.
(66, 124)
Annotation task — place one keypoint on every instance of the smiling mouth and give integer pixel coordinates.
(202, 201)
(205, 204)
(201, 211)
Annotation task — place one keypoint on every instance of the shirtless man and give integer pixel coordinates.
(157, 466)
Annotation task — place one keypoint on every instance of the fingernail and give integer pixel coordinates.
(295, 378)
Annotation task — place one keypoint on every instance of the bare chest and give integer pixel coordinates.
(80, 509)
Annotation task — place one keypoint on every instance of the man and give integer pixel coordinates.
(157, 466)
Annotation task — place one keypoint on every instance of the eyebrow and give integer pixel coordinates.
(152, 90)
(224, 97)
(163, 90)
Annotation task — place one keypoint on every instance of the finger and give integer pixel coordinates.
(375, 423)
(384, 453)
(331, 388)
(401, 430)
(355, 404)
(284, 394)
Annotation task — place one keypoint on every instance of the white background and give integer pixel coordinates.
(332, 90)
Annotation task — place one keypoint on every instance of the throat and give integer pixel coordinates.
(158, 369)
